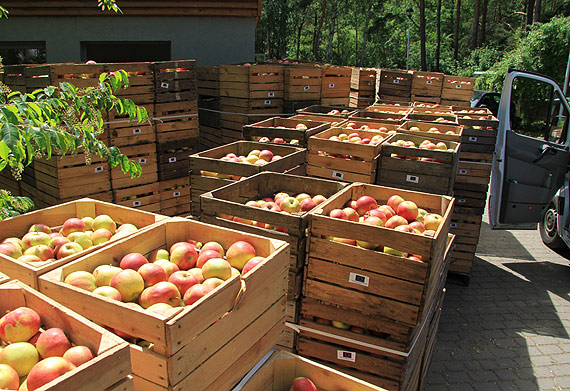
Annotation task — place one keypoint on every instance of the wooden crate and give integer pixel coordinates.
(208, 81)
(3, 278)
(284, 128)
(327, 112)
(54, 217)
(431, 105)
(398, 289)
(378, 116)
(424, 116)
(334, 120)
(444, 131)
(330, 159)
(354, 123)
(256, 82)
(335, 82)
(457, 88)
(363, 81)
(143, 197)
(394, 102)
(126, 384)
(401, 166)
(124, 132)
(192, 342)
(209, 163)
(277, 370)
(360, 100)
(389, 109)
(342, 102)
(175, 196)
(141, 81)
(302, 82)
(468, 110)
(176, 121)
(395, 84)
(473, 172)
(173, 158)
(478, 121)
(13, 77)
(428, 84)
(112, 361)
(9, 183)
(80, 75)
(426, 100)
(175, 81)
(145, 155)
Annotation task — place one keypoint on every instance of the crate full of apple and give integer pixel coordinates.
(378, 250)
(378, 116)
(39, 241)
(284, 130)
(45, 346)
(345, 154)
(441, 131)
(329, 112)
(190, 297)
(418, 163)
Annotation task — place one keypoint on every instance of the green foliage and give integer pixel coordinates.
(110, 5)
(11, 206)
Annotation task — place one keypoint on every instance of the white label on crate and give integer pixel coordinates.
(137, 130)
(267, 102)
(473, 139)
(359, 279)
(306, 88)
(164, 84)
(453, 246)
(176, 194)
(461, 201)
(271, 94)
(396, 81)
(345, 355)
(136, 203)
(453, 225)
(413, 178)
(142, 160)
(99, 169)
(331, 85)
(458, 86)
(338, 175)
(370, 83)
(462, 172)
(429, 82)
(172, 159)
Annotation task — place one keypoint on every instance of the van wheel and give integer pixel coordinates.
(548, 229)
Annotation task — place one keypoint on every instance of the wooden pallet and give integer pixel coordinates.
(335, 82)
(145, 155)
(302, 83)
(54, 217)
(175, 196)
(192, 342)
(440, 130)
(175, 81)
(427, 84)
(277, 127)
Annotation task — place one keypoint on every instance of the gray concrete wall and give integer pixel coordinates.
(209, 40)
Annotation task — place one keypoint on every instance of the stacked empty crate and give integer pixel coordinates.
(471, 184)
(302, 86)
(177, 131)
(363, 87)
(426, 87)
(369, 313)
(208, 80)
(335, 85)
(248, 94)
(395, 85)
(457, 90)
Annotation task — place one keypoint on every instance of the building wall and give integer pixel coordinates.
(209, 40)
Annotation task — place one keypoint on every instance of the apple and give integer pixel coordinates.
(417, 226)
(15, 241)
(82, 280)
(395, 221)
(391, 251)
(394, 201)
(253, 204)
(78, 355)
(338, 214)
(340, 325)
(72, 225)
(41, 251)
(52, 342)
(19, 325)
(157, 254)
(307, 204)
(104, 273)
(239, 253)
(57, 242)
(375, 221)
(68, 249)
(404, 228)
(133, 261)
(377, 213)
(184, 256)
(422, 213)
(168, 267)
(290, 205)
(129, 283)
(88, 221)
(272, 206)
(364, 204)
(101, 235)
(10, 250)
(212, 282)
(205, 256)
(351, 214)
(9, 378)
(163, 292)
(22, 356)
(108, 292)
(34, 238)
(217, 267)
(253, 262)
(352, 242)
(301, 196)
(197, 272)
(280, 195)
(184, 280)
(195, 293)
(47, 370)
(152, 274)
(432, 221)
(251, 159)
(40, 228)
(319, 199)
(278, 140)
(127, 227)
(408, 210)
(303, 384)
(83, 238)
(104, 221)
(159, 308)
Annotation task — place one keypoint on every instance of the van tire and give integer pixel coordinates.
(548, 229)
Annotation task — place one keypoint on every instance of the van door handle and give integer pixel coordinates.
(546, 149)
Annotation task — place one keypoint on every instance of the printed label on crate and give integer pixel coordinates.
(267, 102)
(338, 175)
(99, 169)
(331, 85)
(142, 160)
(461, 201)
(396, 81)
(345, 355)
(136, 203)
(359, 279)
(370, 83)
(176, 194)
(473, 139)
(136, 130)
(164, 84)
(412, 178)
(453, 225)
(271, 94)
(462, 172)
(172, 159)
(458, 86)
(306, 88)
(429, 82)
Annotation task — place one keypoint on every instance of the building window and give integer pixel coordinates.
(125, 51)
(14, 53)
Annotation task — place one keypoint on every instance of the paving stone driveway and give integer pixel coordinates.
(509, 328)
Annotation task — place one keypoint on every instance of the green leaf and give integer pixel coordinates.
(10, 114)
(3, 164)
(102, 77)
(4, 151)
(10, 135)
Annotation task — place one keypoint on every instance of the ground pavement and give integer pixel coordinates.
(509, 328)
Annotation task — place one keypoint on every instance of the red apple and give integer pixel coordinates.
(169, 267)
(307, 204)
(364, 204)
(212, 282)
(338, 214)
(197, 272)
(205, 255)
(195, 293)
(34, 238)
(133, 261)
(408, 210)
(9, 379)
(40, 228)
(152, 274)
(318, 199)
(129, 283)
(82, 280)
(239, 253)
(217, 267)
(266, 155)
(302, 196)
(417, 226)
(395, 221)
(68, 249)
(387, 210)
(57, 242)
(47, 370)
(163, 292)
(303, 384)
(394, 201)
(432, 221)
(378, 213)
(272, 206)
(184, 280)
(52, 342)
(19, 325)
(351, 214)
(253, 262)
(10, 250)
(41, 251)
(29, 259)
(78, 355)
(101, 235)
(404, 228)
(184, 256)
(72, 225)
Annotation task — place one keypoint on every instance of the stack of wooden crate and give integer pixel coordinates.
(471, 184)
(227, 207)
(457, 90)
(209, 106)
(426, 87)
(302, 86)
(363, 87)
(13, 77)
(395, 85)
(335, 85)
(369, 313)
(248, 94)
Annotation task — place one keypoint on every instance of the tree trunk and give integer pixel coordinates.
(529, 13)
(457, 25)
(475, 31)
(438, 47)
(299, 31)
(537, 9)
(365, 35)
(318, 33)
(331, 32)
(423, 35)
(484, 22)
